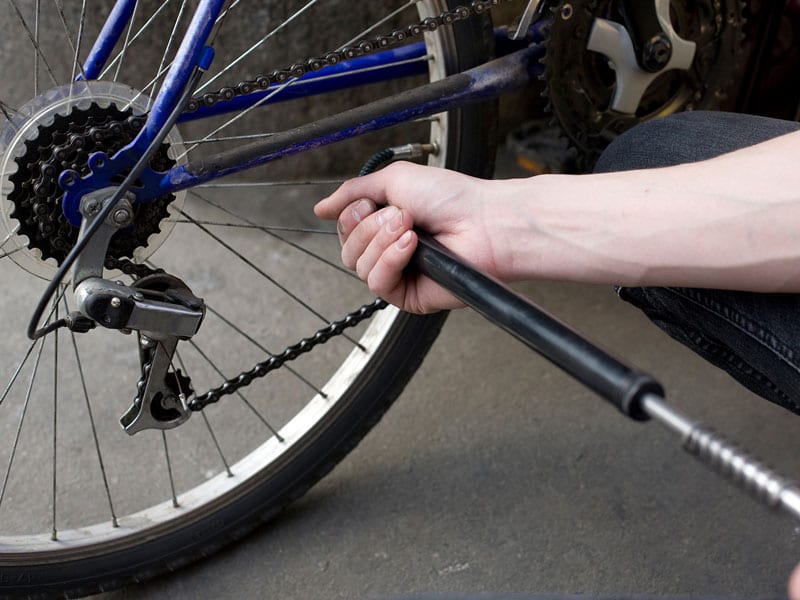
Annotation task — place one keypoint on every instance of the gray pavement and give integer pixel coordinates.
(494, 473)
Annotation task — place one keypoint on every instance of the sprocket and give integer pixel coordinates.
(67, 143)
(579, 83)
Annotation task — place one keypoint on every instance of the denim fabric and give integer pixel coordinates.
(754, 337)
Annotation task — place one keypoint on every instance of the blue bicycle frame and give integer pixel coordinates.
(487, 81)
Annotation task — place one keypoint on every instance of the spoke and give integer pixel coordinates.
(164, 434)
(10, 252)
(127, 41)
(37, 14)
(92, 423)
(256, 268)
(28, 353)
(206, 421)
(379, 23)
(231, 138)
(164, 68)
(54, 533)
(15, 444)
(255, 46)
(245, 226)
(169, 470)
(216, 443)
(8, 237)
(265, 350)
(220, 20)
(247, 403)
(75, 47)
(33, 40)
(5, 109)
(240, 115)
(144, 27)
(246, 184)
(280, 238)
(147, 87)
(170, 41)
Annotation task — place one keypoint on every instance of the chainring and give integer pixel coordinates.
(579, 83)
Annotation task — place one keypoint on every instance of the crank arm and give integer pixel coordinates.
(635, 393)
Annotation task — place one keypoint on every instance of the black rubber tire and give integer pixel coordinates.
(471, 149)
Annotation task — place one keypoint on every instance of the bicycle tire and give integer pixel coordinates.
(112, 562)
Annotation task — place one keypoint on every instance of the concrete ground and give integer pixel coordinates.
(495, 473)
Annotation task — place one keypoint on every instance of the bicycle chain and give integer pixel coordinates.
(362, 48)
(128, 267)
(276, 361)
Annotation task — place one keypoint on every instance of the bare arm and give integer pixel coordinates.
(732, 222)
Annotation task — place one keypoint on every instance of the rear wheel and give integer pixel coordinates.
(83, 506)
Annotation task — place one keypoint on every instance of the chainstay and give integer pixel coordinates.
(276, 361)
(362, 48)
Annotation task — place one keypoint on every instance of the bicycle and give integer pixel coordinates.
(64, 137)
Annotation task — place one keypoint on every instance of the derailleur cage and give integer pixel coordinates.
(159, 307)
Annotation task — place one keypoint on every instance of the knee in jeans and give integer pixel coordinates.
(652, 144)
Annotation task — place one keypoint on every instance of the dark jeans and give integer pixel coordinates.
(754, 337)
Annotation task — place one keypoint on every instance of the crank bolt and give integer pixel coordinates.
(657, 53)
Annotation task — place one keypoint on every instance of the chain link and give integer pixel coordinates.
(362, 48)
(276, 361)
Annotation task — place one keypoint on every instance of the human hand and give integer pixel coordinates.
(794, 584)
(376, 215)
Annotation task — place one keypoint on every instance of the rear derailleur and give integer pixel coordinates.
(159, 307)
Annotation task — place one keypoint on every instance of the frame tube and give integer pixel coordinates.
(481, 83)
(107, 39)
(383, 66)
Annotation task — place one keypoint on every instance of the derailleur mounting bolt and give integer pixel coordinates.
(92, 207)
(122, 216)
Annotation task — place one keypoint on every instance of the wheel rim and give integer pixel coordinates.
(66, 374)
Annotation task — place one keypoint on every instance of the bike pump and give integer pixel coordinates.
(635, 393)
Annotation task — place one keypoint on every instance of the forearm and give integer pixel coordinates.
(732, 222)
